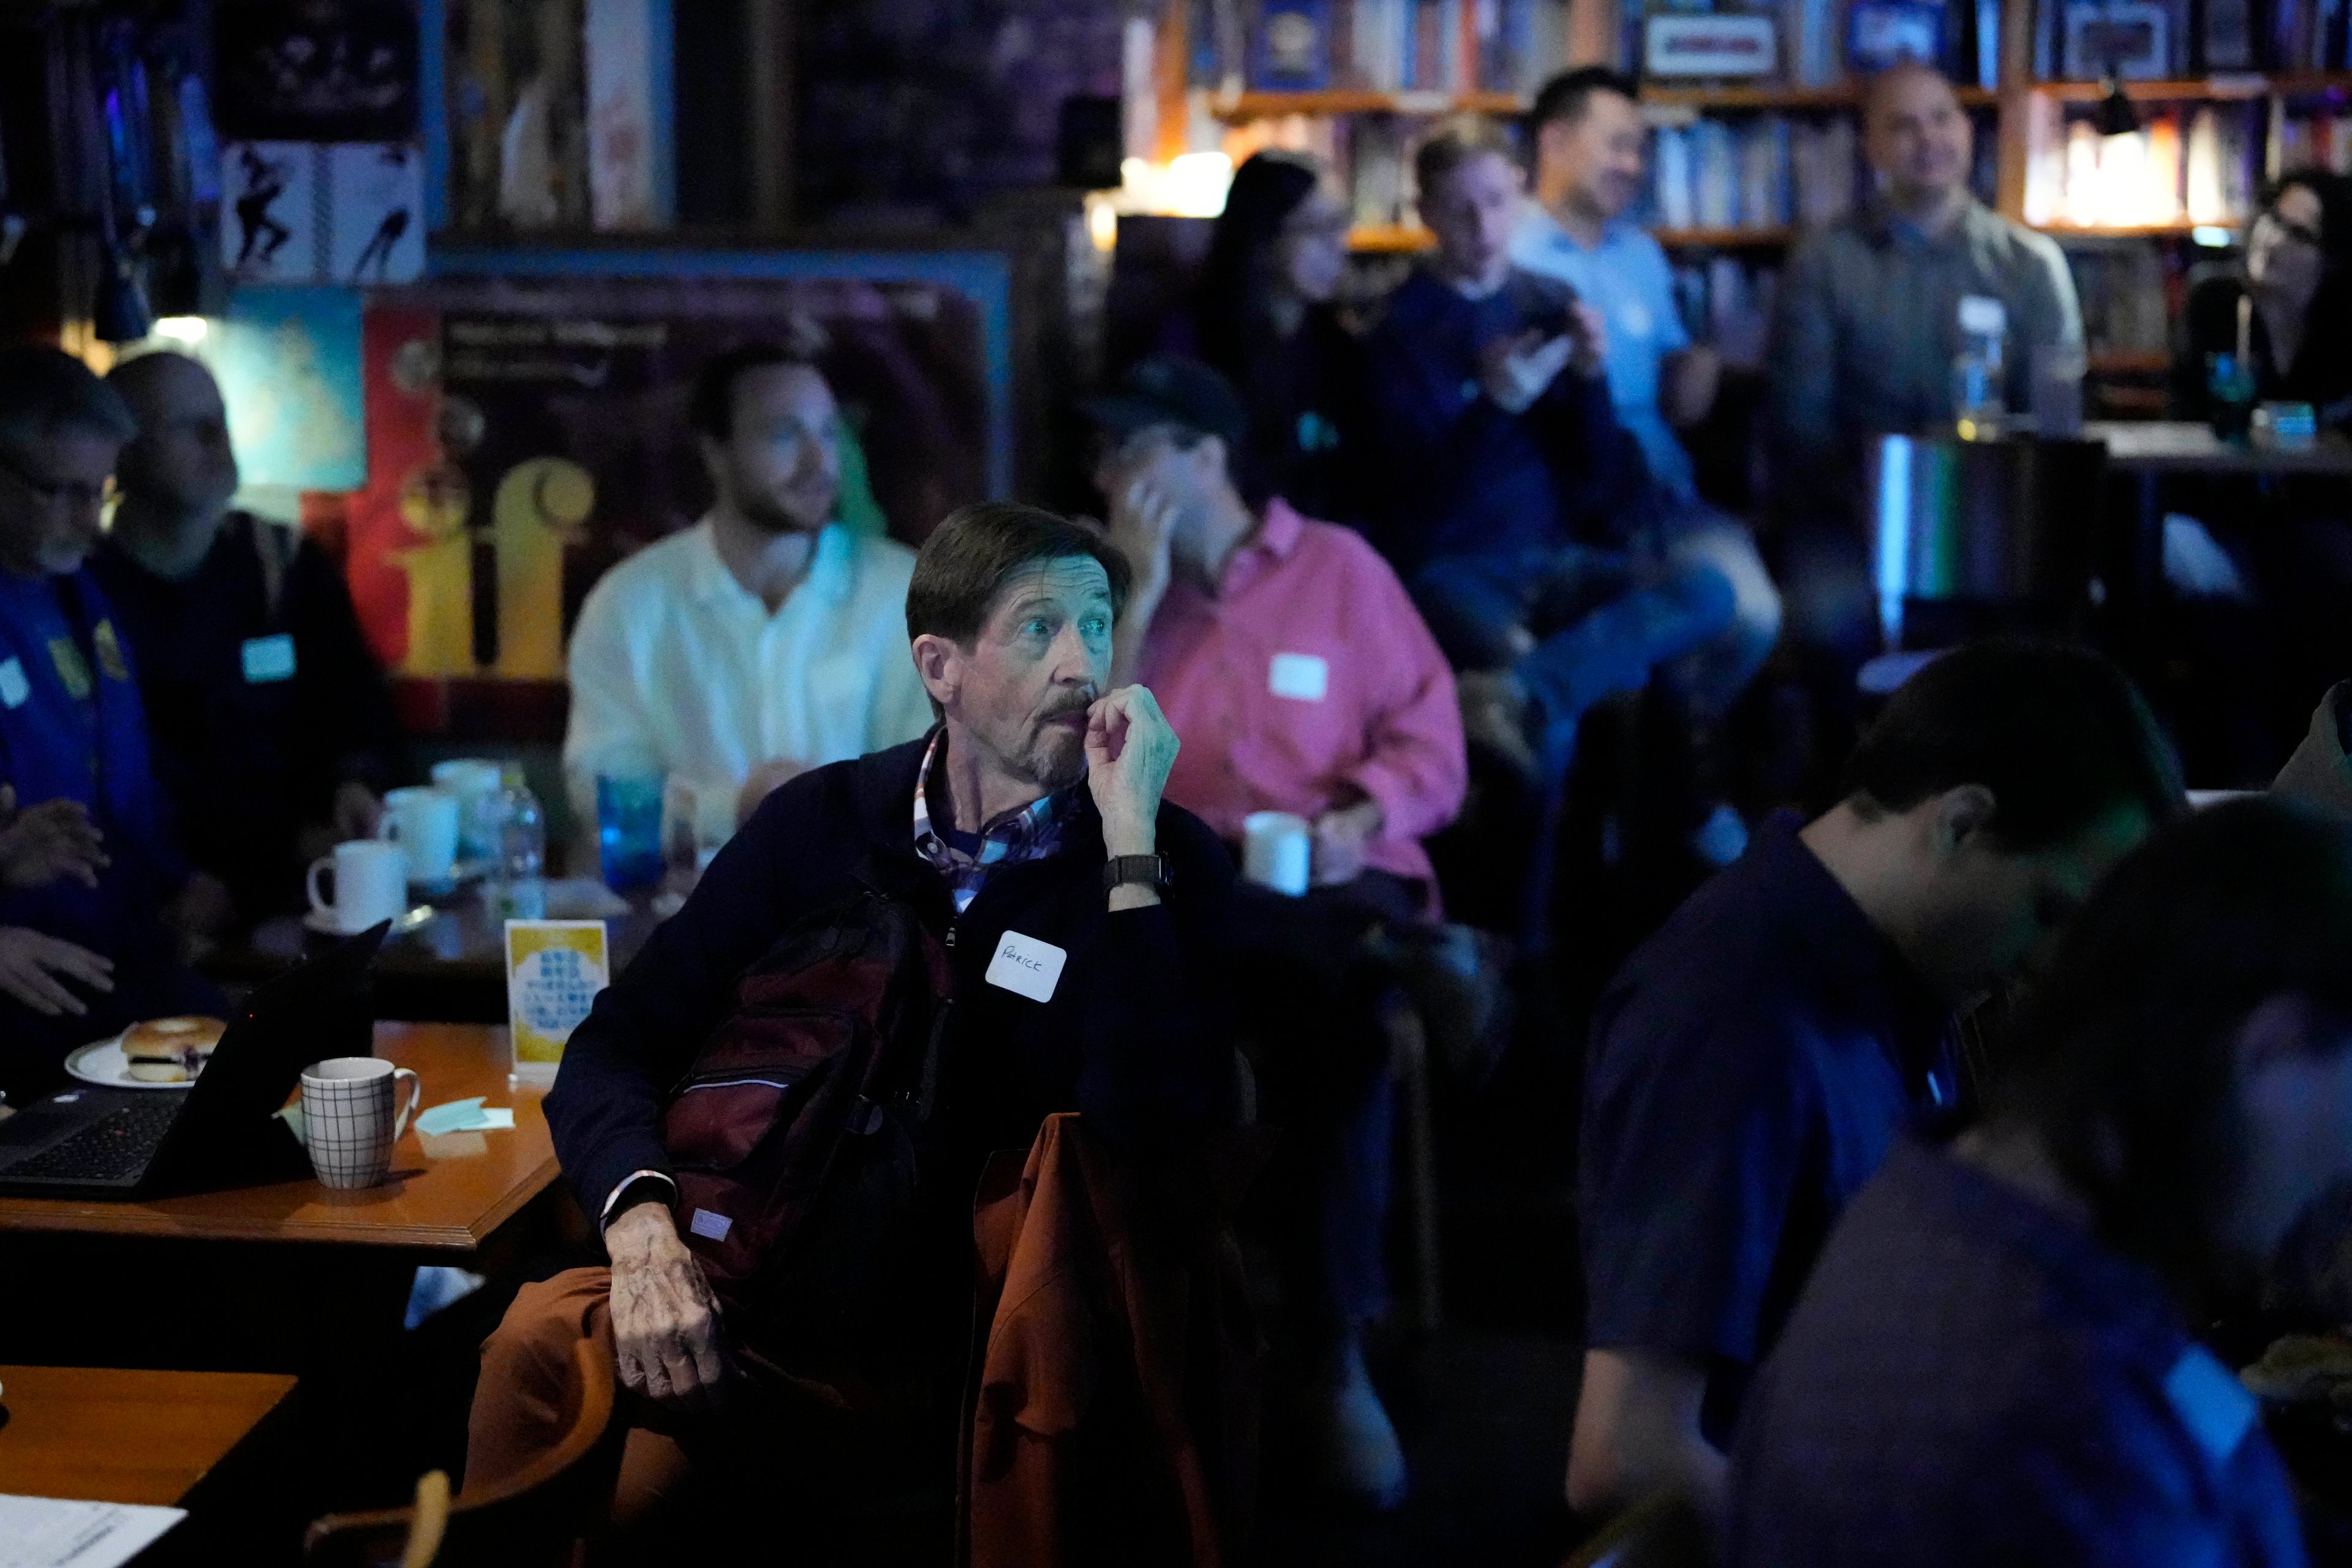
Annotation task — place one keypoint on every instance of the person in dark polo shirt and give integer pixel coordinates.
(1992, 1363)
(273, 727)
(1754, 1060)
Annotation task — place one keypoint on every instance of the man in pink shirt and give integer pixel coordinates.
(1299, 678)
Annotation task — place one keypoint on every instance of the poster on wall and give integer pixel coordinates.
(289, 362)
(270, 212)
(316, 70)
(524, 434)
(375, 222)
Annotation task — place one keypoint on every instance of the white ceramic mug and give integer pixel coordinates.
(348, 1121)
(370, 884)
(423, 824)
(1277, 850)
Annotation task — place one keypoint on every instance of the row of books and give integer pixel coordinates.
(1728, 301)
(2201, 167)
(1767, 171)
(2083, 40)
(1382, 46)
(2321, 141)
(2127, 292)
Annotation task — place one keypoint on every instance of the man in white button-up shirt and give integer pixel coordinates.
(766, 639)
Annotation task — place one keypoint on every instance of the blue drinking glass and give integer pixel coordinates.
(628, 830)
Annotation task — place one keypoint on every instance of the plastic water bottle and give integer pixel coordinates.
(516, 829)
(1979, 390)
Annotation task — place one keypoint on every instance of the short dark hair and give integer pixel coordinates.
(711, 410)
(2058, 735)
(2121, 1059)
(963, 567)
(1455, 142)
(45, 392)
(1564, 97)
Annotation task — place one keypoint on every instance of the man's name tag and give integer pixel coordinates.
(713, 1226)
(14, 687)
(1302, 677)
(269, 659)
(1027, 967)
(1983, 313)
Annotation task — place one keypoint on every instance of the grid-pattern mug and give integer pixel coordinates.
(348, 1123)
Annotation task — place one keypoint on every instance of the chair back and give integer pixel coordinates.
(540, 1517)
(1661, 1531)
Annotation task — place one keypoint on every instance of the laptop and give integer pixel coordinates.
(221, 1130)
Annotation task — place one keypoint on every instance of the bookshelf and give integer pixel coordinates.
(1244, 107)
(2128, 255)
(1572, 32)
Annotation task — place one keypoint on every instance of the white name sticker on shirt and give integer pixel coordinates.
(714, 1226)
(269, 659)
(1983, 313)
(1027, 967)
(14, 687)
(1302, 676)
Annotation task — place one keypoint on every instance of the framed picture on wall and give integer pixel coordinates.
(2130, 39)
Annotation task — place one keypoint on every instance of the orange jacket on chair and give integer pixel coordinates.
(1115, 1416)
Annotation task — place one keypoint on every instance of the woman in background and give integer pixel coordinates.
(2270, 617)
(2298, 274)
(1264, 312)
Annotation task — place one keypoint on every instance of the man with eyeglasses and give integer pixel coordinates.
(94, 894)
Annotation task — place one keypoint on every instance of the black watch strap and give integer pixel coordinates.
(1147, 870)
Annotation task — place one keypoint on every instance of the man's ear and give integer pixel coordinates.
(940, 663)
(714, 461)
(1961, 813)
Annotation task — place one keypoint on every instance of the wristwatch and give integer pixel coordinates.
(1145, 870)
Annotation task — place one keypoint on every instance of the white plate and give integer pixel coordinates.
(101, 1062)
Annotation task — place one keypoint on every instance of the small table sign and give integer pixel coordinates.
(555, 969)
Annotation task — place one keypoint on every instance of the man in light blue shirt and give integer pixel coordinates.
(1587, 137)
(1588, 145)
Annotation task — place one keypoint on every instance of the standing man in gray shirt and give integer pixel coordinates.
(1868, 320)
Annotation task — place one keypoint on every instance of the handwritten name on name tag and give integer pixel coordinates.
(1027, 967)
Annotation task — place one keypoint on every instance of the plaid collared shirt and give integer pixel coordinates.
(1032, 833)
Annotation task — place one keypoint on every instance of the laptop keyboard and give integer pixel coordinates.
(116, 1145)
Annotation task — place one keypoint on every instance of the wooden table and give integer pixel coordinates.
(445, 1199)
(108, 1435)
(292, 1277)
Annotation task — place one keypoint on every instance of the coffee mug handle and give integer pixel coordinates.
(416, 1093)
(311, 884)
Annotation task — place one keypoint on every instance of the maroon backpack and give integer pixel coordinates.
(794, 1136)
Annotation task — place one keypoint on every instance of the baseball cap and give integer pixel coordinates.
(1165, 390)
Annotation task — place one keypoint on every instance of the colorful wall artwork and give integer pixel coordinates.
(525, 432)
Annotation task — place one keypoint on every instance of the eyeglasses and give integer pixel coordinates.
(51, 493)
(2289, 228)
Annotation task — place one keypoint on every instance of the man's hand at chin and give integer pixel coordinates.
(1130, 750)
